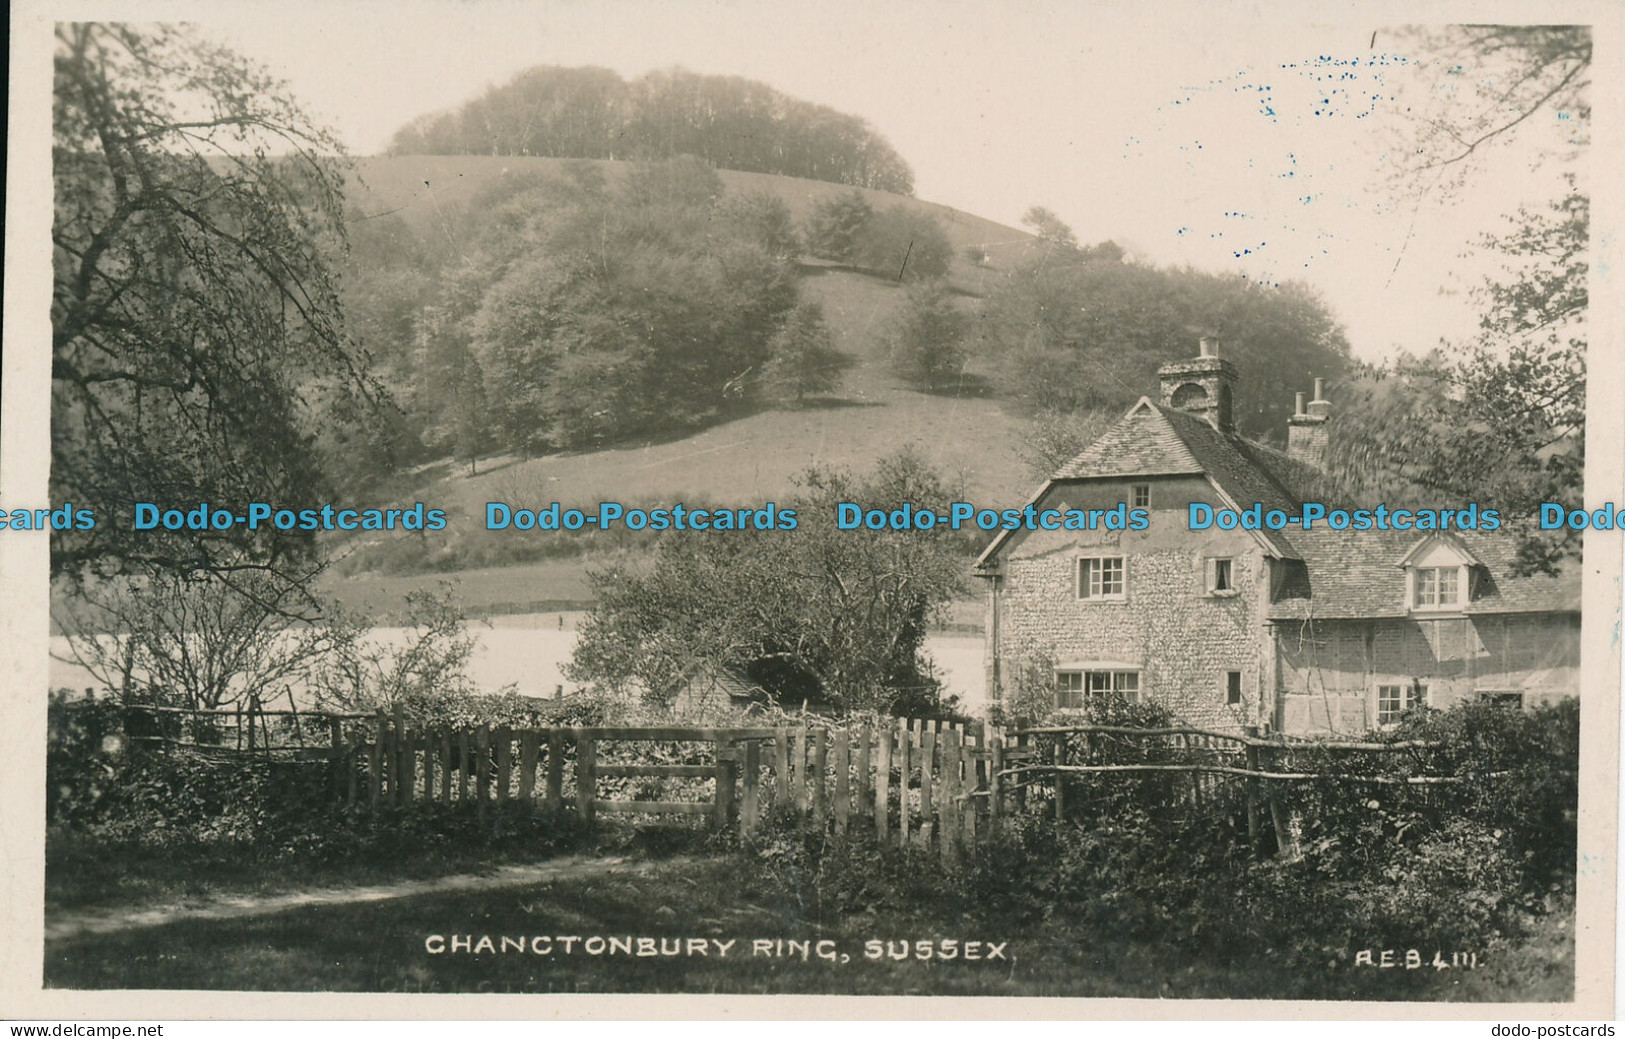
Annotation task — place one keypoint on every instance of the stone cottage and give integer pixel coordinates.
(1305, 631)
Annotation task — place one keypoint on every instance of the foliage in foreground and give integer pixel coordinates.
(1469, 868)
(834, 617)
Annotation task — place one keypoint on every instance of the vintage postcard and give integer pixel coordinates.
(684, 509)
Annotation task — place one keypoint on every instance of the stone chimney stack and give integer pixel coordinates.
(1202, 386)
(1306, 438)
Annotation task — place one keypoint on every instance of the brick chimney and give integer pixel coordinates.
(1306, 429)
(1202, 386)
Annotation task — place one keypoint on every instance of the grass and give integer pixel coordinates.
(746, 460)
(729, 896)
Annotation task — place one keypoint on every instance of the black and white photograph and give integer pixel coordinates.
(533, 501)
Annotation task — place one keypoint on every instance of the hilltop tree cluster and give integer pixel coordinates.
(730, 122)
(1081, 330)
(575, 312)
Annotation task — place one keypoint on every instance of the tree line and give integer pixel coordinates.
(730, 122)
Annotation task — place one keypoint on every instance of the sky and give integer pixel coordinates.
(1251, 144)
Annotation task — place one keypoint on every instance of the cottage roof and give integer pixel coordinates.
(1361, 574)
(1331, 573)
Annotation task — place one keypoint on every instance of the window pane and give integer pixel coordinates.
(1100, 683)
(1427, 587)
(1221, 575)
(1232, 687)
(1142, 495)
(1447, 586)
(1390, 703)
(1127, 682)
(1111, 576)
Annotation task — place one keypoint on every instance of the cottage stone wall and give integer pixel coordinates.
(1181, 639)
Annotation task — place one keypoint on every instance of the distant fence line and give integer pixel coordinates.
(909, 781)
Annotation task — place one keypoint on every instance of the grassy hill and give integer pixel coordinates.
(967, 435)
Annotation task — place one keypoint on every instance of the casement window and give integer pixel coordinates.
(1142, 495)
(1076, 688)
(1221, 576)
(1101, 578)
(1436, 587)
(1394, 700)
(1232, 687)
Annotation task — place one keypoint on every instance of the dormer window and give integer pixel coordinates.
(1438, 575)
(1437, 588)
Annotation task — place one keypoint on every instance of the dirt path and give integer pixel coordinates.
(77, 924)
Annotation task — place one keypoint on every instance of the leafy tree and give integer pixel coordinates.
(615, 314)
(926, 340)
(1503, 424)
(1497, 77)
(1054, 439)
(199, 641)
(728, 122)
(836, 224)
(838, 617)
(1050, 229)
(1505, 421)
(197, 341)
(904, 244)
(801, 357)
(766, 219)
(1091, 333)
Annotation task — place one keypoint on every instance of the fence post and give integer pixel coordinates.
(336, 756)
(527, 768)
(375, 761)
(865, 804)
(995, 782)
(928, 746)
(445, 767)
(1058, 758)
(1252, 798)
(905, 737)
(464, 761)
(781, 766)
(482, 768)
(843, 779)
(797, 776)
(430, 764)
(504, 763)
(820, 759)
(884, 734)
(725, 784)
(749, 804)
(586, 776)
(555, 768)
(948, 798)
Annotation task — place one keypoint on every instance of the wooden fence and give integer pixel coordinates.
(910, 782)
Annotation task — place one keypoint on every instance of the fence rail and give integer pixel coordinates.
(927, 784)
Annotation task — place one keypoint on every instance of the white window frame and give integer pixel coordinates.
(1409, 694)
(1093, 682)
(1082, 583)
(1210, 576)
(1425, 587)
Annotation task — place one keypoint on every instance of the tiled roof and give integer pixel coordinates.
(1141, 443)
(1357, 574)
(1342, 574)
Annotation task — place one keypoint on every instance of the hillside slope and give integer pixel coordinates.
(968, 436)
(428, 190)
